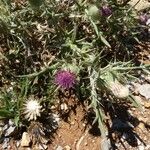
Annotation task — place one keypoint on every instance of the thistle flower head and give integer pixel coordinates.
(32, 109)
(106, 11)
(65, 79)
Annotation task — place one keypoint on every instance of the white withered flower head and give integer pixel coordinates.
(119, 90)
(32, 109)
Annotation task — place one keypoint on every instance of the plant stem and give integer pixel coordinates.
(130, 68)
(38, 73)
(97, 109)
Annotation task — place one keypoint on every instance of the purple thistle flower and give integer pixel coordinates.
(106, 11)
(143, 19)
(65, 79)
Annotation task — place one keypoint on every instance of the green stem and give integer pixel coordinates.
(131, 68)
(38, 73)
(97, 109)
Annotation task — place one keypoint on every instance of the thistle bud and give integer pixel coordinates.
(93, 11)
(143, 19)
(106, 11)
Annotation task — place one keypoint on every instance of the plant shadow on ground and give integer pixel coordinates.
(49, 126)
(133, 49)
(123, 124)
(137, 52)
(120, 125)
(67, 103)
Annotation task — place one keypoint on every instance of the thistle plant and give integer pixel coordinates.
(88, 45)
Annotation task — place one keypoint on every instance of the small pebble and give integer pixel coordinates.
(147, 78)
(56, 117)
(147, 104)
(26, 140)
(141, 147)
(67, 147)
(85, 144)
(141, 126)
(5, 127)
(5, 143)
(10, 130)
(144, 90)
(59, 148)
(11, 123)
(18, 143)
(72, 123)
(147, 147)
(145, 138)
(64, 106)
(84, 124)
(138, 98)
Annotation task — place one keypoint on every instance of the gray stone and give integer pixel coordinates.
(5, 143)
(105, 144)
(144, 90)
(141, 147)
(5, 127)
(140, 4)
(147, 78)
(11, 123)
(10, 130)
(147, 147)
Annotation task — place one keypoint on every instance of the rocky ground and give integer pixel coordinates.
(128, 127)
(128, 130)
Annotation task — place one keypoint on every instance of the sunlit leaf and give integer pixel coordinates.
(104, 41)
